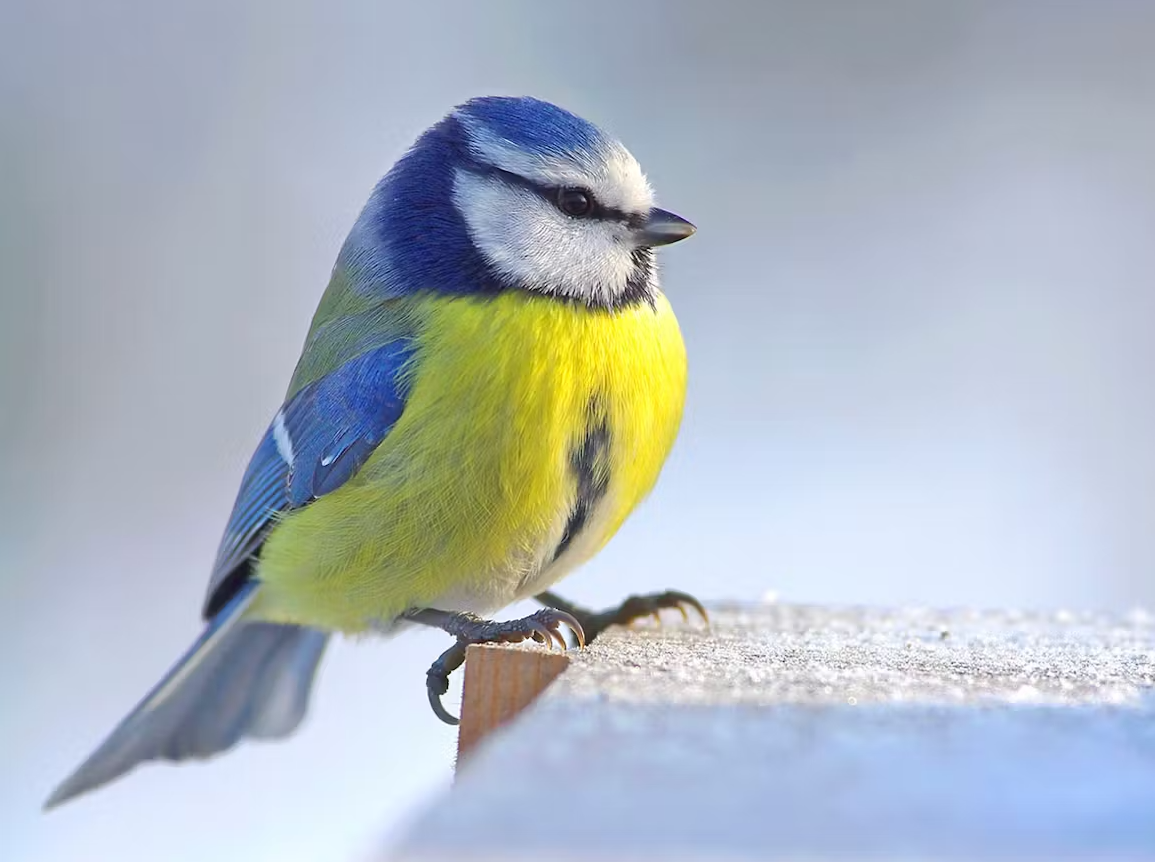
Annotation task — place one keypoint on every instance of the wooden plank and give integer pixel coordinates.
(501, 681)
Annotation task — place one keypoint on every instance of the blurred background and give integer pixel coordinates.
(919, 312)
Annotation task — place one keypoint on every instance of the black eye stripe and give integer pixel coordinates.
(600, 211)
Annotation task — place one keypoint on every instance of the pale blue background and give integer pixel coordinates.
(919, 312)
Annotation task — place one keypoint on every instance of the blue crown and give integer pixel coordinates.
(534, 125)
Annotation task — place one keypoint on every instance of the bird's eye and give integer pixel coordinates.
(575, 202)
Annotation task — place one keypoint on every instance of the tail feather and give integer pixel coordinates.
(240, 679)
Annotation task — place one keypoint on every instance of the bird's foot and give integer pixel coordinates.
(634, 608)
(544, 626)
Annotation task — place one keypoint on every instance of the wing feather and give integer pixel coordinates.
(326, 431)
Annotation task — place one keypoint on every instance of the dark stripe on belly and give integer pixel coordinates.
(590, 463)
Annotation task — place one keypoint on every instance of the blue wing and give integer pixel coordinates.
(319, 438)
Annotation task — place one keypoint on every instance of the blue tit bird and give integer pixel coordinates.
(490, 385)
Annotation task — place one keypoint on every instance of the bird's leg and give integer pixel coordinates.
(593, 623)
(543, 626)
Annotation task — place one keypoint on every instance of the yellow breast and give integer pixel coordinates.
(532, 429)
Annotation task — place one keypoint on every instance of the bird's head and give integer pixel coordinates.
(513, 193)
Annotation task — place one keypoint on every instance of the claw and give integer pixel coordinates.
(437, 679)
(571, 621)
(544, 627)
(539, 628)
(439, 709)
(633, 609)
(682, 600)
(557, 637)
(437, 683)
(563, 641)
(697, 605)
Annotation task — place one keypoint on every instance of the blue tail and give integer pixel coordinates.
(240, 679)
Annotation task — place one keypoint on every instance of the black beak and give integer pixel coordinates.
(662, 228)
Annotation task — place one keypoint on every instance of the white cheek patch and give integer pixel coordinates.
(531, 242)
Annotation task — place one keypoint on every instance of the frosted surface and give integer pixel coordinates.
(794, 732)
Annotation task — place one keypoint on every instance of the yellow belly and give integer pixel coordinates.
(465, 503)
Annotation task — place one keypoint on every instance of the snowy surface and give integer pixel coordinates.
(790, 732)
